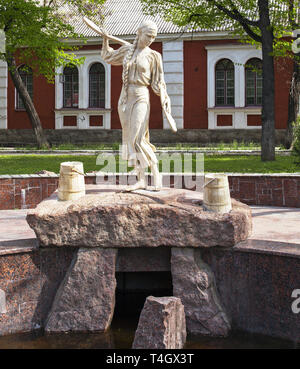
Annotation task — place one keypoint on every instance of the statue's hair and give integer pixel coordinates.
(126, 60)
(148, 24)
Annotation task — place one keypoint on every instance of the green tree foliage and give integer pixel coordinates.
(240, 17)
(36, 33)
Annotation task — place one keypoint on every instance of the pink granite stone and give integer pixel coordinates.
(111, 218)
(85, 300)
(161, 324)
(194, 283)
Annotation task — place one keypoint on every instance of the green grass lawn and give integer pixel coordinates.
(30, 164)
(234, 145)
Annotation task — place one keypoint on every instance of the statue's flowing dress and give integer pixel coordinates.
(144, 70)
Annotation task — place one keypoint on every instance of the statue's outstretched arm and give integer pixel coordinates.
(103, 33)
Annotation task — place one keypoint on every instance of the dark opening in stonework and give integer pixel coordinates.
(134, 287)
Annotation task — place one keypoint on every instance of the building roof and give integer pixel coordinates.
(122, 18)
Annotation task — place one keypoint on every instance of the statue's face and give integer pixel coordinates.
(146, 37)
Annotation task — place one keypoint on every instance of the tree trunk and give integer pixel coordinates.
(293, 105)
(268, 94)
(28, 104)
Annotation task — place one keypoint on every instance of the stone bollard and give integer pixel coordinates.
(161, 324)
(2, 302)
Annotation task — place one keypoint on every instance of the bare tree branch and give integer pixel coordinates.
(236, 15)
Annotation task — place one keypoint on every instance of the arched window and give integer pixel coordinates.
(253, 78)
(27, 78)
(70, 87)
(97, 86)
(225, 82)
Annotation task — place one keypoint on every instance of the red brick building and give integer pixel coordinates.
(207, 74)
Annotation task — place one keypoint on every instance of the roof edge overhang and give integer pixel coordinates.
(231, 46)
(212, 35)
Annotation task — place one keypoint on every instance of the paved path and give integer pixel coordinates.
(15, 233)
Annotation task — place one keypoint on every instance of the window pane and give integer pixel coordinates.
(220, 100)
(230, 74)
(220, 84)
(97, 86)
(224, 84)
(250, 100)
(220, 75)
(71, 87)
(220, 93)
(220, 87)
(253, 82)
(230, 85)
(230, 101)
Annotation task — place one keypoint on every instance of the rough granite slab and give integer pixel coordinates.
(108, 217)
(85, 300)
(194, 283)
(161, 324)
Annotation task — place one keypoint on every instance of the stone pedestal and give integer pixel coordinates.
(107, 219)
(161, 324)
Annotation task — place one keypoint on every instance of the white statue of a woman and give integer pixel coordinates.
(142, 67)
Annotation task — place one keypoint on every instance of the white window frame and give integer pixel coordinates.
(239, 55)
(84, 112)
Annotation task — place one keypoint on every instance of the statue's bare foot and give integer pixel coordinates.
(157, 182)
(157, 187)
(140, 185)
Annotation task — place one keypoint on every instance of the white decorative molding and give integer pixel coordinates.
(239, 117)
(3, 95)
(174, 78)
(83, 112)
(239, 55)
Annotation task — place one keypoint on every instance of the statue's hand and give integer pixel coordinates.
(167, 105)
(104, 33)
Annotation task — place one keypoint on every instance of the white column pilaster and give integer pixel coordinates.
(3, 95)
(173, 70)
